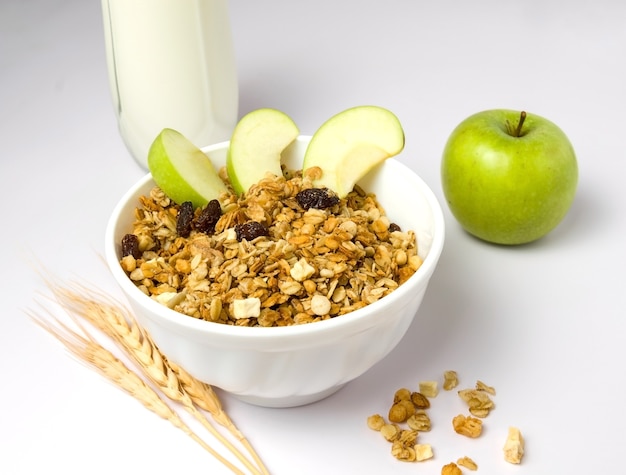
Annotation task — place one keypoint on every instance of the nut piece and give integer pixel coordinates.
(420, 401)
(514, 446)
(467, 463)
(450, 380)
(467, 425)
(402, 394)
(451, 469)
(398, 413)
(429, 388)
(423, 452)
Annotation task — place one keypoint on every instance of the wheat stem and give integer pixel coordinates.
(171, 379)
(117, 372)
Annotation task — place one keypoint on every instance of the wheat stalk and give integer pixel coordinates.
(172, 380)
(107, 364)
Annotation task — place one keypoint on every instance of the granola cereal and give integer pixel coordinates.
(467, 425)
(451, 469)
(268, 260)
(478, 401)
(467, 462)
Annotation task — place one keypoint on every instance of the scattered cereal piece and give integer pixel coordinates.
(420, 401)
(402, 394)
(450, 380)
(419, 421)
(390, 431)
(478, 401)
(398, 413)
(467, 425)
(451, 469)
(514, 446)
(402, 452)
(467, 463)
(429, 388)
(483, 387)
(375, 422)
(423, 452)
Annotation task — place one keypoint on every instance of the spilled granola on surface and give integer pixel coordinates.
(279, 255)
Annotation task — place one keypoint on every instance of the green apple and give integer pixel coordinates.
(182, 170)
(348, 145)
(256, 145)
(508, 177)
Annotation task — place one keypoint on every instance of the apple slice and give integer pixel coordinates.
(256, 145)
(182, 170)
(348, 145)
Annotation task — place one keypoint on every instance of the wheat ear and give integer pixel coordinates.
(107, 364)
(171, 379)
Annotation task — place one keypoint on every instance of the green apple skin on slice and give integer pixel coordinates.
(182, 170)
(256, 145)
(348, 145)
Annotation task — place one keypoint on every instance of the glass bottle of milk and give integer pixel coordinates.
(171, 64)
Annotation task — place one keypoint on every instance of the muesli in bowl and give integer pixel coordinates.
(283, 253)
(288, 317)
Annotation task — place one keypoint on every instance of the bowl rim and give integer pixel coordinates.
(362, 318)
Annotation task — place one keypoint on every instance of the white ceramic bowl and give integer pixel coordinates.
(296, 365)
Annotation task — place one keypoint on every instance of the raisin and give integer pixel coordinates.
(319, 198)
(184, 219)
(130, 246)
(394, 227)
(208, 217)
(250, 230)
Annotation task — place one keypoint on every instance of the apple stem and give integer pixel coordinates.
(518, 130)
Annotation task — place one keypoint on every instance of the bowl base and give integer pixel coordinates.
(289, 401)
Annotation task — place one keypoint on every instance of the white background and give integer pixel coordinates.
(543, 323)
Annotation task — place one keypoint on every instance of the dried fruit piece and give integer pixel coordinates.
(467, 425)
(184, 219)
(451, 469)
(319, 198)
(130, 246)
(514, 446)
(450, 380)
(423, 452)
(467, 463)
(429, 388)
(394, 227)
(208, 217)
(250, 230)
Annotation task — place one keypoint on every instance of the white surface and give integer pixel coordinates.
(543, 323)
